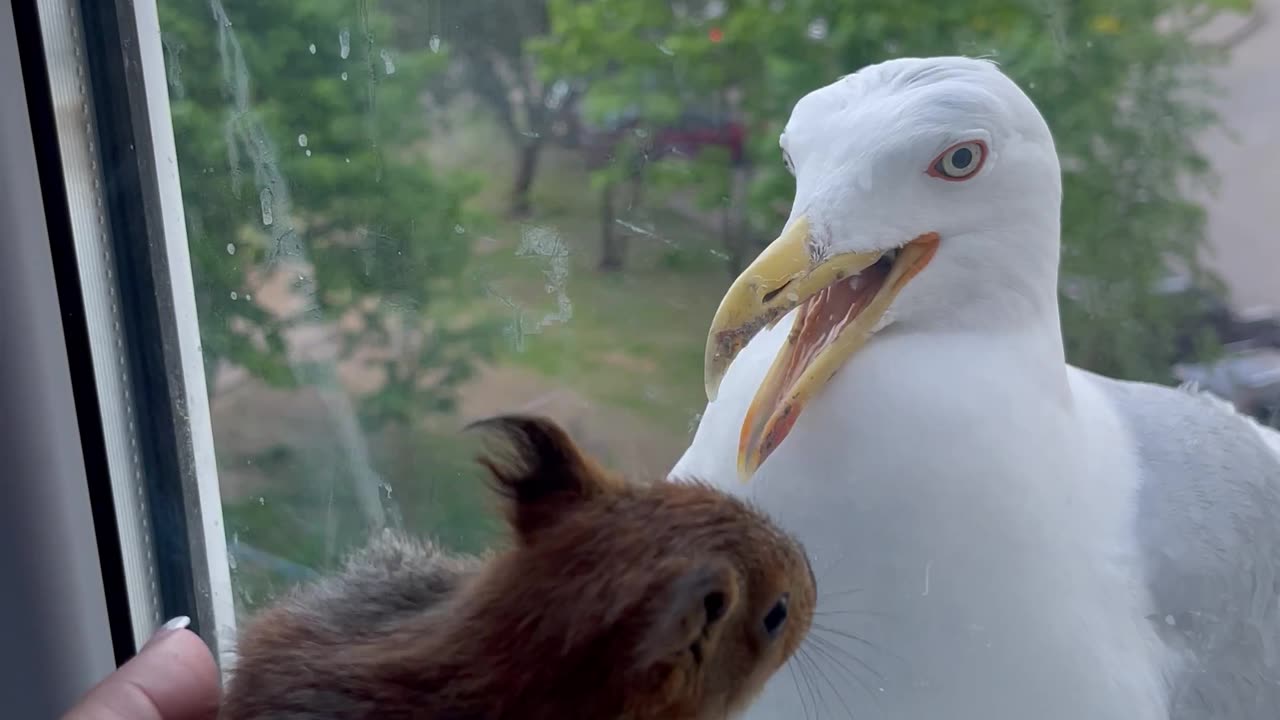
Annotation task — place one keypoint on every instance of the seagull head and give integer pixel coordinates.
(927, 197)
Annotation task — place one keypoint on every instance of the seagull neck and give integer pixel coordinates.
(999, 286)
(991, 281)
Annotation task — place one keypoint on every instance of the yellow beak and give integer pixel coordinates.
(841, 309)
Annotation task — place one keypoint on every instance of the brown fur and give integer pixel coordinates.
(615, 601)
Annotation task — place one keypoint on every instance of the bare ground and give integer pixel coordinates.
(250, 418)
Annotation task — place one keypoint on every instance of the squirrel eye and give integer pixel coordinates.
(777, 615)
(960, 161)
(714, 606)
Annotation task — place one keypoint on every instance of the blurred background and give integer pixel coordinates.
(405, 215)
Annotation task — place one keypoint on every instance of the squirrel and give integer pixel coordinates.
(613, 601)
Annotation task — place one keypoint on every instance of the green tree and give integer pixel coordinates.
(299, 129)
(1122, 84)
(486, 41)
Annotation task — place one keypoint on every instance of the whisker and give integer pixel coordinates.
(862, 682)
(806, 666)
(834, 649)
(791, 666)
(864, 642)
(869, 613)
(833, 652)
(842, 633)
(812, 681)
(848, 711)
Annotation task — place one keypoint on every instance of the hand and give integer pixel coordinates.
(172, 678)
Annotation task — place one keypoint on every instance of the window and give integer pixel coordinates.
(403, 216)
(394, 217)
(398, 224)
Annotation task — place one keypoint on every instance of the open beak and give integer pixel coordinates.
(842, 300)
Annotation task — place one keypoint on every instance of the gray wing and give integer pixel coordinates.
(1209, 526)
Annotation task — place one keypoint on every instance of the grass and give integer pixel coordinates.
(634, 338)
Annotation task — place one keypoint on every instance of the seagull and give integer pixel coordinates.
(995, 533)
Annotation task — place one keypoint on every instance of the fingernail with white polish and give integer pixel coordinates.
(178, 623)
(172, 626)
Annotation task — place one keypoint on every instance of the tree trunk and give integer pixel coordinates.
(734, 228)
(526, 170)
(613, 245)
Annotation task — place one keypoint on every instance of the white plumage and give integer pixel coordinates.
(995, 534)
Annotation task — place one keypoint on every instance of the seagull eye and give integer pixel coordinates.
(786, 160)
(960, 161)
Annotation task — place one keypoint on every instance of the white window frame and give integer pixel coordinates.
(132, 50)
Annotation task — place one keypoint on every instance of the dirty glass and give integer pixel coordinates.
(405, 215)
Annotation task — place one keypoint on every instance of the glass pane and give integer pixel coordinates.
(406, 215)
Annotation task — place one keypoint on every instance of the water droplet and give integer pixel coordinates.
(308, 153)
(387, 63)
(344, 76)
(234, 295)
(247, 296)
(312, 48)
(459, 229)
(817, 29)
(434, 43)
(302, 140)
(665, 50)
(231, 248)
(348, 161)
(344, 43)
(264, 199)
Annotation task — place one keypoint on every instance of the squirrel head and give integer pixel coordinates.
(687, 598)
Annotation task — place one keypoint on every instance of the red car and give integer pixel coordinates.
(691, 133)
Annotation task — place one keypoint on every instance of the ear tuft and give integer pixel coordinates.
(541, 473)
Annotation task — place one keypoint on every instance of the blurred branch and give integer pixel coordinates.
(1255, 22)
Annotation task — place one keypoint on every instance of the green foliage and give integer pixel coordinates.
(1125, 101)
(486, 42)
(299, 128)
